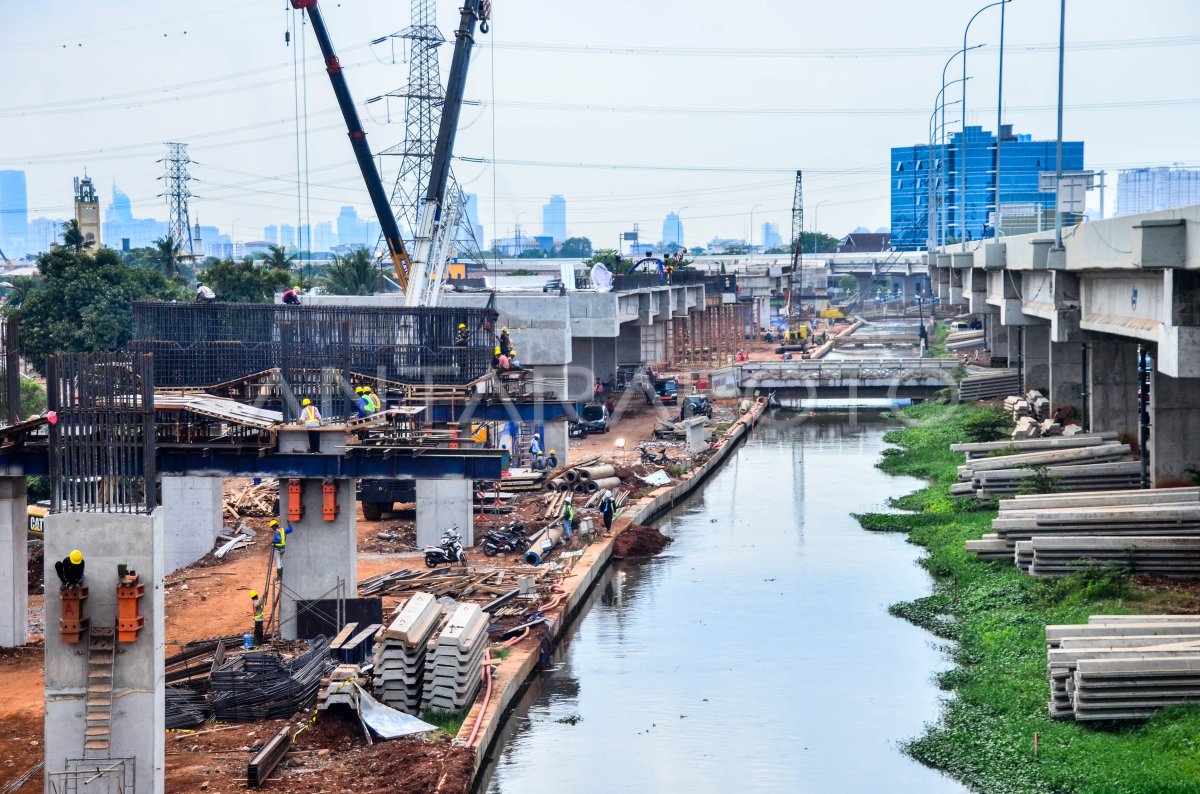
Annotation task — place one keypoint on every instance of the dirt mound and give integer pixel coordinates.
(638, 540)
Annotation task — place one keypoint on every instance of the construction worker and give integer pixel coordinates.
(608, 509)
(552, 459)
(373, 397)
(505, 343)
(535, 451)
(279, 542)
(292, 296)
(312, 420)
(462, 335)
(204, 294)
(361, 402)
(568, 518)
(259, 603)
(70, 569)
(496, 358)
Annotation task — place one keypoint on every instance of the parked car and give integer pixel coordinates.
(594, 417)
(667, 391)
(553, 285)
(695, 405)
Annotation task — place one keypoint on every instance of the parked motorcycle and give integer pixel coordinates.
(449, 552)
(503, 540)
(650, 458)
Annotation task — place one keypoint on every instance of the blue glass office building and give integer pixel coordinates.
(916, 170)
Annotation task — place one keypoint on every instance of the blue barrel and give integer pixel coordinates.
(247, 640)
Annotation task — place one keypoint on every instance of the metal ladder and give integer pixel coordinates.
(98, 709)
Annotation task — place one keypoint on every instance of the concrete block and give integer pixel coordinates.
(320, 554)
(138, 716)
(416, 620)
(14, 561)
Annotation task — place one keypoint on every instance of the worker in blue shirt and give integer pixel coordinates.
(535, 451)
(279, 542)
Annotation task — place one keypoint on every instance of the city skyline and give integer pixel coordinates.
(627, 156)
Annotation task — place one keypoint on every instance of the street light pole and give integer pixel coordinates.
(999, 123)
(942, 143)
(817, 215)
(752, 209)
(1058, 168)
(936, 129)
(962, 166)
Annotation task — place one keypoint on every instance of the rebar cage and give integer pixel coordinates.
(208, 345)
(10, 372)
(102, 436)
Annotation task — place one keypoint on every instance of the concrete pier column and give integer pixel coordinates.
(442, 505)
(14, 561)
(195, 506)
(1112, 387)
(1174, 428)
(137, 719)
(1066, 376)
(998, 340)
(865, 280)
(557, 439)
(1037, 357)
(319, 553)
(908, 289)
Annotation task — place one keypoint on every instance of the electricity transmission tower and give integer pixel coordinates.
(177, 195)
(798, 244)
(423, 97)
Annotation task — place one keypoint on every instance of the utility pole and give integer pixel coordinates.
(177, 195)
(797, 244)
(1058, 157)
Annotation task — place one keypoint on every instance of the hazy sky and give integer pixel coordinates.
(629, 109)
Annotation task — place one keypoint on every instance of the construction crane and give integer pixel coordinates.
(412, 272)
(795, 300)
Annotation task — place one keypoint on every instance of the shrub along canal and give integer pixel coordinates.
(756, 653)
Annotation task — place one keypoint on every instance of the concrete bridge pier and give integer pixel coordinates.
(1036, 354)
(1174, 428)
(136, 722)
(196, 506)
(445, 504)
(909, 287)
(1066, 376)
(865, 280)
(557, 438)
(1112, 386)
(320, 553)
(14, 561)
(999, 339)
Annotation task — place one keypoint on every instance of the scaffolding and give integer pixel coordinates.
(10, 372)
(709, 338)
(314, 348)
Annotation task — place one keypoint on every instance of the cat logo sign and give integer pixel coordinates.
(37, 519)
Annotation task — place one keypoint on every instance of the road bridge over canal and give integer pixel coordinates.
(880, 377)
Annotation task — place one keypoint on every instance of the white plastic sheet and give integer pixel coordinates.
(385, 721)
(602, 280)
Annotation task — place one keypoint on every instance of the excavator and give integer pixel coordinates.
(417, 275)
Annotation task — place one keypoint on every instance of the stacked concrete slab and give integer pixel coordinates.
(401, 652)
(455, 664)
(1058, 534)
(1120, 667)
(1074, 468)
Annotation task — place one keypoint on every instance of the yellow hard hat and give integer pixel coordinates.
(306, 401)
(366, 389)
(462, 325)
(274, 522)
(254, 594)
(497, 350)
(77, 556)
(358, 390)
(297, 288)
(504, 330)
(554, 452)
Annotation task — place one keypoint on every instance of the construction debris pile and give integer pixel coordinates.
(1031, 417)
(427, 659)
(1079, 462)
(257, 500)
(1060, 534)
(1123, 667)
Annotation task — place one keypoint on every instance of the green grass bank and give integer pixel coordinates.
(994, 620)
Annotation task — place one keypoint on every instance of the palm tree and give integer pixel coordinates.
(166, 254)
(352, 274)
(73, 236)
(277, 257)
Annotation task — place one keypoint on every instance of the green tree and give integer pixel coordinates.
(573, 247)
(351, 274)
(277, 258)
(610, 259)
(73, 236)
(165, 255)
(243, 281)
(533, 253)
(83, 303)
(814, 243)
(847, 284)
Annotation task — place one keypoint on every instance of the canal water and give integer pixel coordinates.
(756, 653)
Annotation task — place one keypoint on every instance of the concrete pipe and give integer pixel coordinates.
(557, 484)
(608, 483)
(596, 472)
(540, 548)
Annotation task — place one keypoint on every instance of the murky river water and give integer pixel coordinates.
(756, 653)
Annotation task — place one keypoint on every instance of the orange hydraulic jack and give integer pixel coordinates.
(295, 500)
(72, 623)
(129, 622)
(329, 505)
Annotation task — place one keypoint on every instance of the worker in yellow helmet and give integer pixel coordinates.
(462, 335)
(279, 541)
(505, 342)
(373, 398)
(259, 604)
(70, 569)
(311, 418)
(292, 296)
